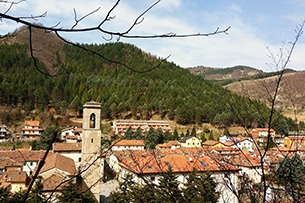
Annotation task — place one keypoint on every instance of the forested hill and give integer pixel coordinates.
(168, 90)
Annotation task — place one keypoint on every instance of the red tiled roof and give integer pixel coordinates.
(31, 123)
(210, 143)
(14, 176)
(8, 162)
(54, 182)
(181, 162)
(129, 143)
(23, 155)
(67, 147)
(60, 162)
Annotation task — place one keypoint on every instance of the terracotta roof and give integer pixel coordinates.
(229, 144)
(78, 130)
(54, 182)
(129, 143)
(23, 155)
(179, 161)
(6, 162)
(67, 147)
(210, 143)
(31, 123)
(14, 176)
(262, 129)
(60, 162)
(72, 137)
(246, 160)
(6, 147)
(173, 142)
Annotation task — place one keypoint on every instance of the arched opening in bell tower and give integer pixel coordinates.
(92, 120)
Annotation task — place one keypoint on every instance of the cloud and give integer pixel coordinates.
(252, 28)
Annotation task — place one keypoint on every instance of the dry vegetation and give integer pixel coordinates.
(291, 94)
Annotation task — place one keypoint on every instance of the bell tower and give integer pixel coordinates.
(91, 164)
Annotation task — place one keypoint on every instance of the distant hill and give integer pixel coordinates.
(46, 46)
(224, 76)
(253, 83)
(230, 73)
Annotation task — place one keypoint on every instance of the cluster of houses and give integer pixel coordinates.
(228, 158)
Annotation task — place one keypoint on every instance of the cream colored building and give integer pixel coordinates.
(190, 141)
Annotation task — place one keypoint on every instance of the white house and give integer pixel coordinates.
(71, 132)
(31, 129)
(3, 132)
(241, 143)
(190, 141)
(26, 157)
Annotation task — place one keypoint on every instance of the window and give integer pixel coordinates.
(91, 140)
(152, 178)
(79, 159)
(92, 120)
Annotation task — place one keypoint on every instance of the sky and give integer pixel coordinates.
(258, 30)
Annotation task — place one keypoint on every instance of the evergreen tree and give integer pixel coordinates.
(200, 188)
(168, 187)
(193, 132)
(291, 173)
(128, 134)
(175, 135)
(138, 134)
(187, 133)
(46, 138)
(151, 139)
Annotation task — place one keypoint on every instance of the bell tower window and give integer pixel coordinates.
(92, 120)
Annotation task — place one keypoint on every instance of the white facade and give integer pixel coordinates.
(245, 144)
(190, 142)
(29, 166)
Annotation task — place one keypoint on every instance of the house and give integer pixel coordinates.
(294, 142)
(241, 143)
(70, 150)
(169, 145)
(128, 145)
(121, 126)
(260, 134)
(3, 132)
(8, 164)
(149, 165)
(31, 129)
(57, 164)
(190, 141)
(55, 174)
(72, 139)
(14, 181)
(71, 131)
(26, 157)
(249, 164)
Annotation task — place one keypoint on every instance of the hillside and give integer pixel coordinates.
(291, 95)
(164, 90)
(231, 73)
(46, 46)
(252, 83)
